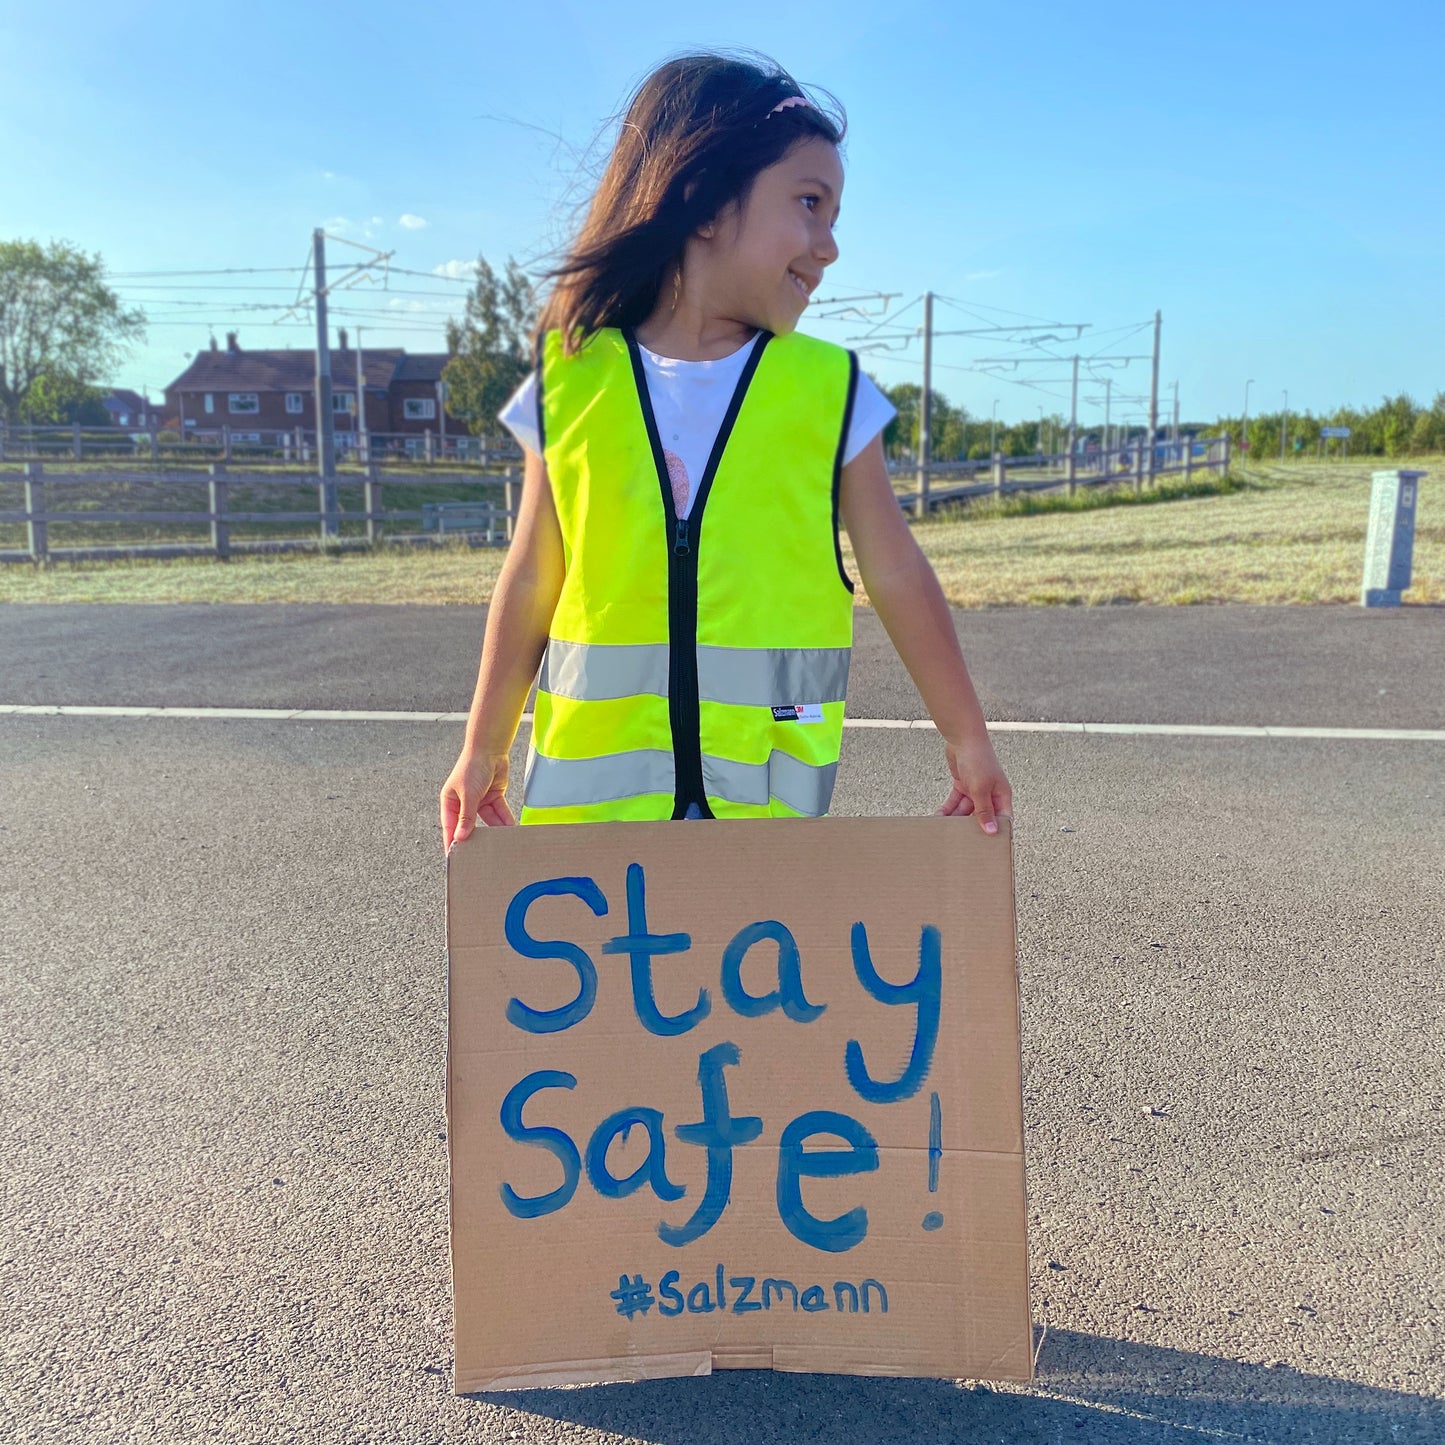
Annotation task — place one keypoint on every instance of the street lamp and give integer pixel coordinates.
(1283, 424)
(993, 431)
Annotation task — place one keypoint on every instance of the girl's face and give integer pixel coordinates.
(769, 254)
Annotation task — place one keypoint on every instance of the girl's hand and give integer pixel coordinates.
(476, 787)
(979, 784)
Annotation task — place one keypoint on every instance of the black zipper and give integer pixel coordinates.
(684, 709)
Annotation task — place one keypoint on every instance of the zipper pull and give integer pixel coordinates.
(681, 546)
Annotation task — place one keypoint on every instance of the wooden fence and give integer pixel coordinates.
(367, 519)
(353, 502)
(948, 483)
(231, 444)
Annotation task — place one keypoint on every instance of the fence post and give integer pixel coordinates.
(998, 474)
(371, 495)
(35, 528)
(1071, 467)
(430, 454)
(220, 528)
(1188, 444)
(1139, 468)
(155, 443)
(226, 442)
(3, 430)
(511, 490)
(1224, 466)
(75, 430)
(321, 508)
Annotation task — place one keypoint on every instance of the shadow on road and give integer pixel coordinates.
(1087, 1387)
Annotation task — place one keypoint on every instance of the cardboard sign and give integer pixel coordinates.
(741, 1094)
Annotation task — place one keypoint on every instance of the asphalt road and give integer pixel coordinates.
(223, 1211)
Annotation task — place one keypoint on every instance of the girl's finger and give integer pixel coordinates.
(985, 816)
(496, 814)
(466, 818)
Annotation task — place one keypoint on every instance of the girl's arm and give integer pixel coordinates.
(518, 620)
(905, 594)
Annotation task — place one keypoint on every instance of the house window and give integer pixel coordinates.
(243, 403)
(419, 408)
(293, 403)
(343, 401)
(210, 402)
(245, 436)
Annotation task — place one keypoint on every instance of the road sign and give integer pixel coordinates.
(1342, 432)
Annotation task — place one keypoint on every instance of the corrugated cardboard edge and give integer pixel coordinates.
(622, 1369)
(1023, 1131)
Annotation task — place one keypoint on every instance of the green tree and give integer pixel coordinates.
(56, 400)
(1397, 422)
(947, 423)
(491, 347)
(58, 319)
(1428, 433)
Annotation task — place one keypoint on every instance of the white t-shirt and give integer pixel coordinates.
(689, 400)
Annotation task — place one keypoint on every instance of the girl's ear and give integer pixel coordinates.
(688, 192)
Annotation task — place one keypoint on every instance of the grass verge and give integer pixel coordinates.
(1288, 533)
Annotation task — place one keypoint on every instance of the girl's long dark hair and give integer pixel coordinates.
(701, 124)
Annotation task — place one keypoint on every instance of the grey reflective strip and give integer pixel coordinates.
(747, 676)
(562, 782)
(772, 676)
(594, 672)
(803, 787)
(737, 782)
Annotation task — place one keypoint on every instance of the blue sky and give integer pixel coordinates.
(1266, 174)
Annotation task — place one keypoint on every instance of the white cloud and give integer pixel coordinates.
(456, 270)
(982, 275)
(337, 224)
(408, 222)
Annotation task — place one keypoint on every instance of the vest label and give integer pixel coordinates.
(803, 712)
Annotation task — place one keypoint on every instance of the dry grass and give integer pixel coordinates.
(1294, 533)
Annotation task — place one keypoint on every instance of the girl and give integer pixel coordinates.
(691, 672)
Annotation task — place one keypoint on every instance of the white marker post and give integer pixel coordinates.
(1391, 538)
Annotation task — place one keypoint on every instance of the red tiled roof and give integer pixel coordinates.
(283, 370)
(421, 366)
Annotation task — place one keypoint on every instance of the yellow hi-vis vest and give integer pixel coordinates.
(701, 661)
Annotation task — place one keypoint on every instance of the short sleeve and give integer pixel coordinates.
(519, 416)
(872, 411)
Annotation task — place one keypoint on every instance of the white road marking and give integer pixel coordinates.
(317, 714)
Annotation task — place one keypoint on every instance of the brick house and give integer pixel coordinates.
(129, 410)
(262, 395)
